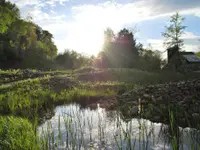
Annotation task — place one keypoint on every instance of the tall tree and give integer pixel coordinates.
(22, 36)
(174, 32)
(8, 14)
(108, 35)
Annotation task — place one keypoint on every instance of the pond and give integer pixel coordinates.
(74, 127)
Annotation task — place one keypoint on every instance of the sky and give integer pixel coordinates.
(79, 24)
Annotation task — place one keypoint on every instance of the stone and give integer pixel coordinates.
(146, 96)
(181, 103)
(120, 92)
(134, 111)
(179, 95)
(196, 116)
(156, 118)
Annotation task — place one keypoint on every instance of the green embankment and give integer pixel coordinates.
(27, 98)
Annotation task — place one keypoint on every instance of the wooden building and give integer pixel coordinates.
(182, 61)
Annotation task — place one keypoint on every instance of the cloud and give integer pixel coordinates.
(112, 12)
(191, 48)
(190, 35)
(38, 3)
(22, 3)
(91, 19)
(191, 43)
(156, 44)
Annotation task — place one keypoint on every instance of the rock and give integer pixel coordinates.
(156, 118)
(120, 92)
(146, 96)
(182, 96)
(134, 111)
(181, 103)
(196, 116)
(154, 100)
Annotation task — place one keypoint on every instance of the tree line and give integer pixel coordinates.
(123, 50)
(24, 44)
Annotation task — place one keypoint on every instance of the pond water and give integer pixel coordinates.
(74, 127)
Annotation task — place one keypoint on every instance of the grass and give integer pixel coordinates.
(71, 131)
(14, 75)
(17, 134)
(135, 76)
(31, 98)
(24, 97)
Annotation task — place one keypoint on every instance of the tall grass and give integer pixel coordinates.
(17, 134)
(25, 97)
(78, 130)
(31, 97)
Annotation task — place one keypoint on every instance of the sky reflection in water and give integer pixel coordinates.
(101, 129)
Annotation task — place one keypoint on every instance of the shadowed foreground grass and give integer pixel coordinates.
(17, 134)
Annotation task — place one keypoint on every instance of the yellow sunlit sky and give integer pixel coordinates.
(80, 24)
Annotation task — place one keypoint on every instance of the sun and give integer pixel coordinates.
(88, 41)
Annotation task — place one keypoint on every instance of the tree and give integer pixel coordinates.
(108, 35)
(120, 50)
(150, 60)
(174, 32)
(22, 36)
(8, 14)
(198, 54)
(23, 43)
(70, 59)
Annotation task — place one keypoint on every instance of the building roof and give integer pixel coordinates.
(190, 57)
(187, 53)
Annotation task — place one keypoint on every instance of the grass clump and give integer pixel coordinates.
(17, 134)
(24, 98)
(135, 76)
(86, 70)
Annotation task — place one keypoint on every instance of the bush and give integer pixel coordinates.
(17, 134)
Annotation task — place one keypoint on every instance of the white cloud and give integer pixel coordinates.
(61, 2)
(157, 44)
(190, 35)
(194, 11)
(22, 3)
(115, 13)
(89, 21)
(191, 43)
(191, 48)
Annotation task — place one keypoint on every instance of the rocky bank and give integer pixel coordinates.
(159, 103)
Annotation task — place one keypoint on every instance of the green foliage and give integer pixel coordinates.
(119, 50)
(23, 44)
(71, 59)
(8, 14)
(174, 32)
(122, 51)
(198, 54)
(108, 35)
(135, 76)
(25, 97)
(17, 133)
(150, 60)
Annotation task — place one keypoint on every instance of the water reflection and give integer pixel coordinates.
(76, 128)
